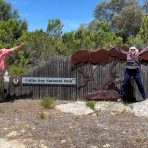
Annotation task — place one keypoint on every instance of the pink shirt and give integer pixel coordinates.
(3, 58)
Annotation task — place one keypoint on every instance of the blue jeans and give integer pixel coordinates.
(135, 73)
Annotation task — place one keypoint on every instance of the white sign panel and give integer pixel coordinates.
(46, 80)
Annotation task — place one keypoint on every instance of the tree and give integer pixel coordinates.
(96, 24)
(123, 16)
(54, 28)
(90, 37)
(99, 35)
(10, 31)
(127, 22)
(11, 26)
(102, 12)
(141, 39)
(69, 41)
(145, 7)
(105, 10)
(6, 11)
(39, 46)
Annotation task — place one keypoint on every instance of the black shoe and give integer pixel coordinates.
(144, 98)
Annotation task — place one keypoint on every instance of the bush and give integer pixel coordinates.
(48, 102)
(91, 104)
(41, 115)
(1, 110)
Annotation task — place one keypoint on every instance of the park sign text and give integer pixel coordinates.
(46, 80)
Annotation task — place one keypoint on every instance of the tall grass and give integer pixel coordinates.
(47, 102)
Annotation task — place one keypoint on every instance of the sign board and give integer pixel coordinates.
(46, 80)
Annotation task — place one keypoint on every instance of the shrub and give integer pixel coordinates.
(47, 102)
(1, 110)
(41, 115)
(91, 104)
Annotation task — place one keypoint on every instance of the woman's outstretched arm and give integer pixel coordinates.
(17, 47)
(118, 49)
(143, 51)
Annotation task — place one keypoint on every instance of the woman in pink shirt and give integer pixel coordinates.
(3, 56)
(3, 59)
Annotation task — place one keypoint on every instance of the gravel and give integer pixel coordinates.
(22, 121)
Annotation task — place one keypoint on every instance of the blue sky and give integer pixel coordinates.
(72, 13)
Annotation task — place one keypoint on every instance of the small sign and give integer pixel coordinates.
(46, 80)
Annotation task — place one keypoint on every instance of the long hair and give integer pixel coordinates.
(133, 47)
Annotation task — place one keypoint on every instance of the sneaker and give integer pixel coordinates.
(119, 100)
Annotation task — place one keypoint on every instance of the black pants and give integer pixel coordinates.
(135, 73)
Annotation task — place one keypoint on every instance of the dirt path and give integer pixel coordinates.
(22, 124)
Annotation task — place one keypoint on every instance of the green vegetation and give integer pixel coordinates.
(139, 140)
(40, 115)
(47, 102)
(1, 110)
(15, 110)
(118, 22)
(91, 104)
(141, 39)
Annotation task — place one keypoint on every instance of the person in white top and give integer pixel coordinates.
(132, 69)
